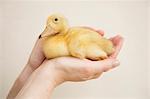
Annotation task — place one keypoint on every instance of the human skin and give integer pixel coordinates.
(41, 76)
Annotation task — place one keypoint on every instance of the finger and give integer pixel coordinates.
(97, 75)
(118, 42)
(110, 69)
(101, 32)
(105, 65)
(115, 39)
(37, 57)
(98, 67)
(85, 63)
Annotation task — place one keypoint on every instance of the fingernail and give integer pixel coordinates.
(115, 63)
(39, 36)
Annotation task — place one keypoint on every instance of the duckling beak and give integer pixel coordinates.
(47, 32)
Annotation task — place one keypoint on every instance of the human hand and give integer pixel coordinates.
(79, 70)
(117, 40)
(53, 72)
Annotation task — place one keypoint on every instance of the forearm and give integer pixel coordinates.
(20, 81)
(40, 84)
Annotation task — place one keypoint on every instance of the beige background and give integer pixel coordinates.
(149, 47)
(22, 22)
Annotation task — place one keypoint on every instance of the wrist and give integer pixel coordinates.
(49, 71)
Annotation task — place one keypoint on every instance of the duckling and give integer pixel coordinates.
(81, 42)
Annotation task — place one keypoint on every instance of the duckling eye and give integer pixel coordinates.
(55, 20)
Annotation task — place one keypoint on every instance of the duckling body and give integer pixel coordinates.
(78, 42)
(86, 43)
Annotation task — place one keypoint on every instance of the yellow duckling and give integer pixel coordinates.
(80, 42)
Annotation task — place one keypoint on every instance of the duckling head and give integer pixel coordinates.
(56, 24)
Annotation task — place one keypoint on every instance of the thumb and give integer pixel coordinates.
(36, 56)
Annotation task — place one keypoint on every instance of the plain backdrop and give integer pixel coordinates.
(149, 48)
(22, 21)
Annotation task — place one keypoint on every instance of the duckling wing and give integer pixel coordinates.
(82, 44)
(82, 34)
